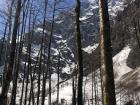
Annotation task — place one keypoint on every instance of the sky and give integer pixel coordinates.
(3, 6)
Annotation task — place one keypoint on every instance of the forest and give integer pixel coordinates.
(69, 52)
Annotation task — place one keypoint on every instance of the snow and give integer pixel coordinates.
(59, 22)
(120, 65)
(113, 7)
(83, 18)
(36, 49)
(54, 77)
(41, 30)
(65, 93)
(66, 69)
(61, 41)
(57, 36)
(56, 52)
(89, 49)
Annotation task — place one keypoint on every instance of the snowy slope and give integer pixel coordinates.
(120, 60)
(125, 76)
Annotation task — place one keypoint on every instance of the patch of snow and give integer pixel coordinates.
(119, 61)
(67, 69)
(61, 41)
(41, 30)
(89, 49)
(58, 36)
(83, 18)
(56, 52)
(60, 21)
(36, 49)
(115, 6)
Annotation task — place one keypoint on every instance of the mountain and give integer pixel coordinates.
(124, 47)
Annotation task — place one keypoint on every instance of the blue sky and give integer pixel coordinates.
(3, 6)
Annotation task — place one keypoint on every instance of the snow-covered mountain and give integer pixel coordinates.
(64, 39)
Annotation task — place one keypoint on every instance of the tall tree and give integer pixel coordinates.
(109, 97)
(29, 49)
(44, 72)
(79, 55)
(48, 71)
(25, 15)
(8, 75)
(6, 56)
(3, 43)
(58, 75)
(17, 62)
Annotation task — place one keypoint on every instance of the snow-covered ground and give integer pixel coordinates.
(120, 65)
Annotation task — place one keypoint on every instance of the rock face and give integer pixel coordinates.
(64, 31)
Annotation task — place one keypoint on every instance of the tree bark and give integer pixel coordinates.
(58, 73)
(8, 72)
(3, 43)
(80, 56)
(108, 84)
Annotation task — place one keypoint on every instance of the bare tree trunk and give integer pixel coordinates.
(23, 82)
(74, 86)
(48, 63)
(24, 74)
(29, 56)
(8, 74)
(15, 74)
(84, 95)
(58, 73)
(108, 84)
(19, 52)
(95, 93)
(73, 92)
(50, 42)
(3, 43)
(136, 32)
(40, 67)
(44, 72)
(92, 85)
(7, 50)
(80, 56)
